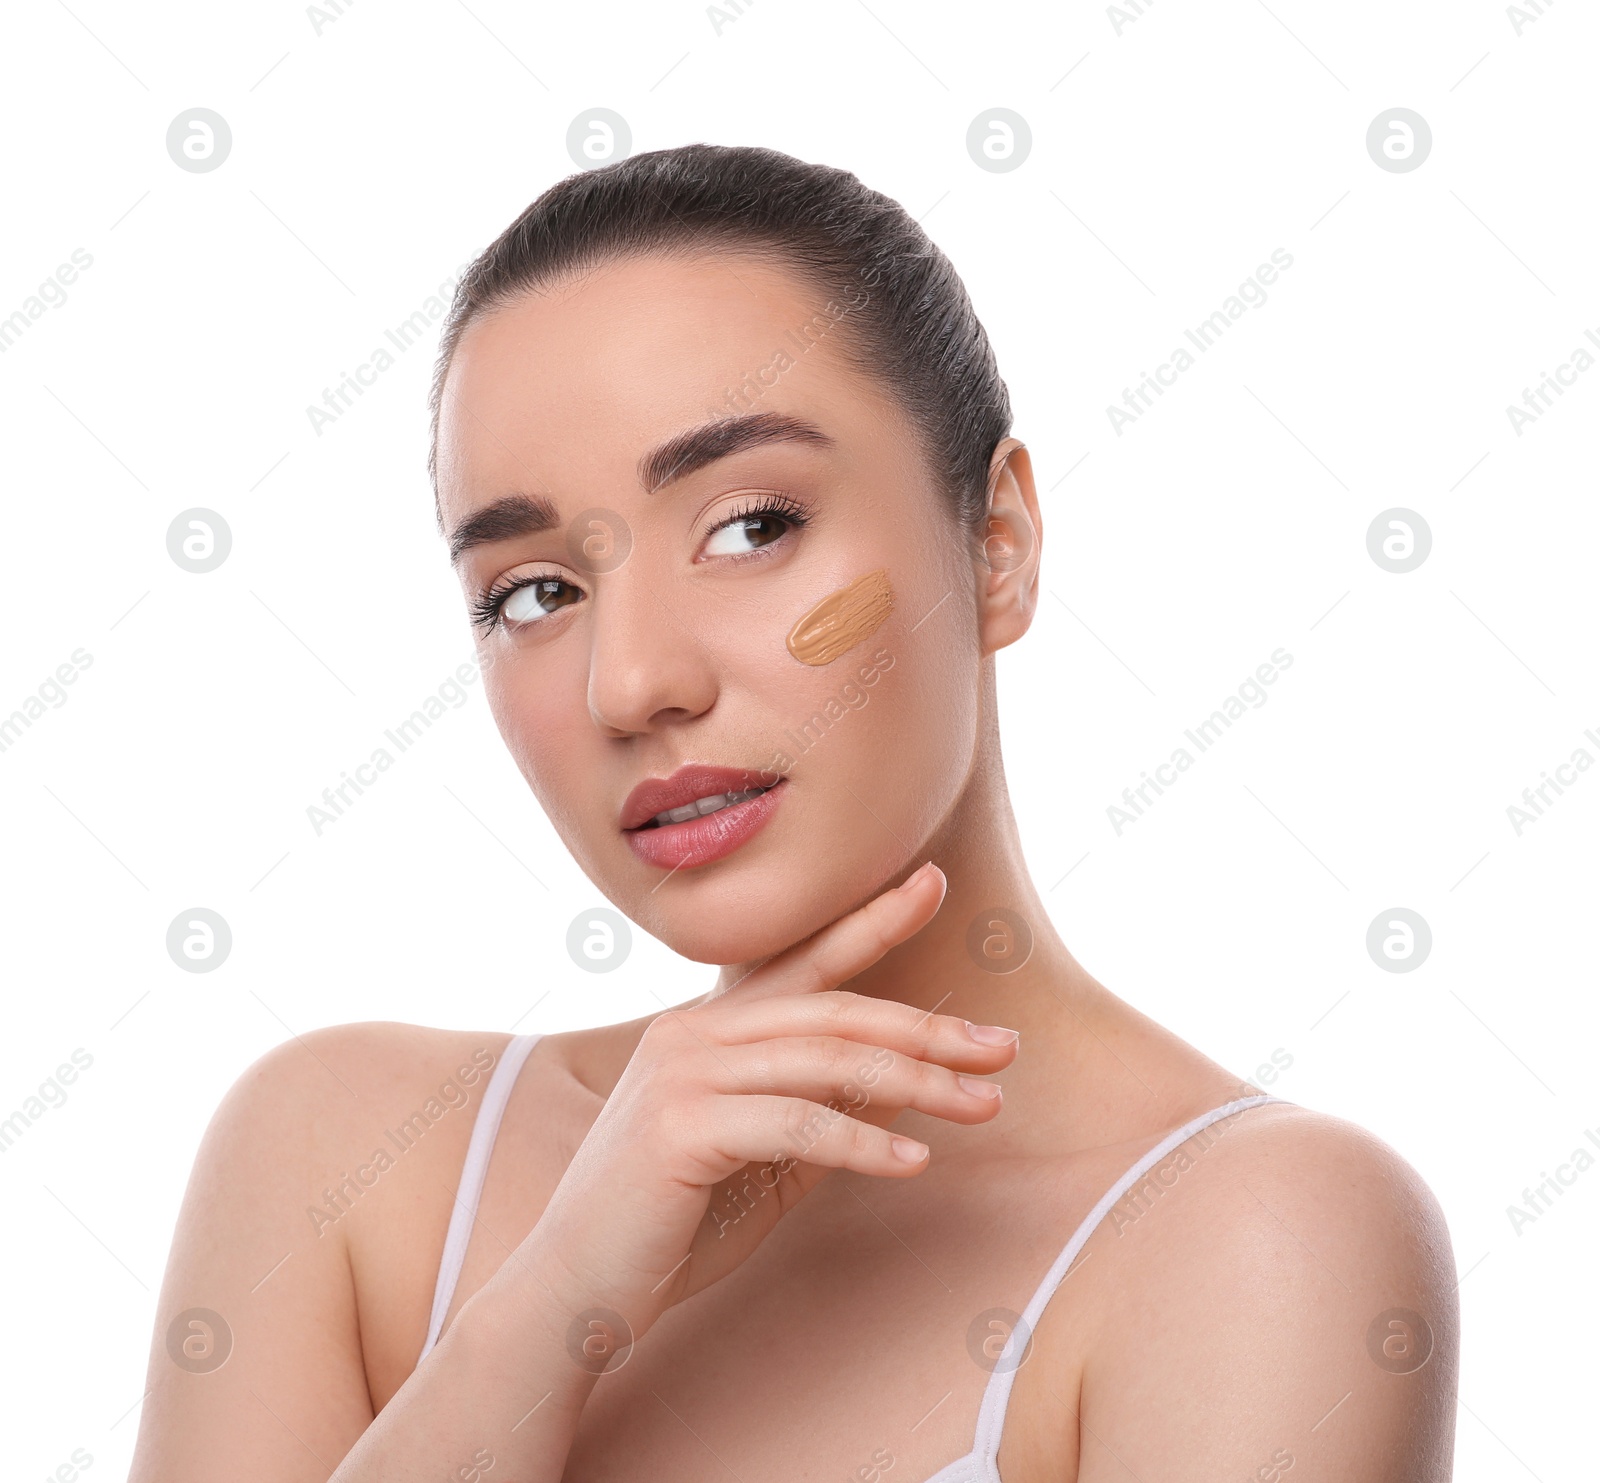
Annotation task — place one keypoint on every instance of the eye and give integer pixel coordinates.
(748, 533)
(523, 601)
(761, 523)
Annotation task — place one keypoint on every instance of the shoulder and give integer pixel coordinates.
(1277, 1191)
(315, 1110)
(1324, 1177)
(1276, 1140)
(308, 1239)
(305, 1125)
(1302, 1274)
(371, 1058)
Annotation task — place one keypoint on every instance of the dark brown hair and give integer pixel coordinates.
(916, 330)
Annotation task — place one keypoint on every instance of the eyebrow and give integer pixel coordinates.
(693, 449)
(677, 458)
(511, 515)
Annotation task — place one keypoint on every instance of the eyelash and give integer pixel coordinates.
(784, 506)
(486, 608)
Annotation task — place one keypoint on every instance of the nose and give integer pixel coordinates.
(647, 670)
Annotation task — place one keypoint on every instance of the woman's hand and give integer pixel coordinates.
(731, 1111)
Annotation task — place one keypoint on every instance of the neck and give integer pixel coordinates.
(991, 954)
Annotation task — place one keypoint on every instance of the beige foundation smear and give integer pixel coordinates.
(842, 619)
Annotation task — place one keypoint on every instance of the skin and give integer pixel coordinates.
(1211, 1332)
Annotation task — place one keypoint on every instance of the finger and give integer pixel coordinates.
(852, 1077)
(784, 1131)
(855, 942)
(903, 1028)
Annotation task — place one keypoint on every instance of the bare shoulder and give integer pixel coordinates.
(312, 1102)
(301, 1264)
(1332, 1174)
(317, 1118)
(1296, 1277)
(347, 1063)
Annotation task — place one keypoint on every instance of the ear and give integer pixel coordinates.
(1007, 560)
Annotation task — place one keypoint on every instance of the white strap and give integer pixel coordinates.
(473, 1171)
(997, 1394)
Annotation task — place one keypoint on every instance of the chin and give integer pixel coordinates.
(747, 913)
(745, 910)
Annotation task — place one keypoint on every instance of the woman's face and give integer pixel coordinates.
(650, 475)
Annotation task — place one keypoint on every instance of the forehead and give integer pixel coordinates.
(577, 381)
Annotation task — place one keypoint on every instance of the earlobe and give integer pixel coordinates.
(1008, 558)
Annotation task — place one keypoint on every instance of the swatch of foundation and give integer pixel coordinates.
(841, 620)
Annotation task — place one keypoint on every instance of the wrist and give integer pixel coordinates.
(548, 1305)
(524, 1329)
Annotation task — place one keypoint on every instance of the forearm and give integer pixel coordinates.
(504, 1388)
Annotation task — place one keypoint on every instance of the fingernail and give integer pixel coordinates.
(991, 1034)
(915, 876)
(909, 1149)
(989, 1090)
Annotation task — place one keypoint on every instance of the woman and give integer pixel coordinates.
(725, 467)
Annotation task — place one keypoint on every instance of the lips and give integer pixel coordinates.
(690, 782)
(740, 803)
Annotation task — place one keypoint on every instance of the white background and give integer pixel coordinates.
(1171, 153)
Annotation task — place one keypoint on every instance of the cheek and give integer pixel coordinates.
(927, 710)
(882, 738)
(924, 715)
(541, 728)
